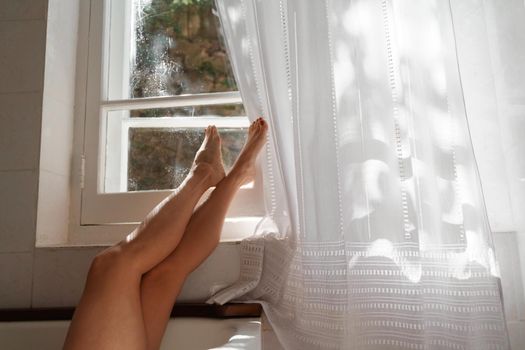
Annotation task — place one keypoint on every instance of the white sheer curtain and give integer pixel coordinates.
(376, 235)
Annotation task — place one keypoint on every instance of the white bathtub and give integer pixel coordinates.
(183, 333)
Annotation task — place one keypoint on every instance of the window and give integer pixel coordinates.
(157, 75)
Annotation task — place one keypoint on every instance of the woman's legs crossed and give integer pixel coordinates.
(162, 284)
(109, 315)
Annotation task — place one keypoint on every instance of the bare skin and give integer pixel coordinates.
(132, 286)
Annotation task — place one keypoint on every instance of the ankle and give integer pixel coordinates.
(201, 170)
(201, 175)
(241, 175)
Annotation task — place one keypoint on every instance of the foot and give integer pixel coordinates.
(208, 159)
(244, 167)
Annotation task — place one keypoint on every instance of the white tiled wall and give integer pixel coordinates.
(22, 61)
(22, 51)
(22, 10)
(59, 275)
(15, 279)
(20, 133)
(17, 210)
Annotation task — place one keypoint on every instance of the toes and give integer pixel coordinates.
(254, 128)
(215, 133)
(212, 132)
(256, 124)
(259, 125)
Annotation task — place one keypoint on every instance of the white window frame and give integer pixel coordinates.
(104, 217)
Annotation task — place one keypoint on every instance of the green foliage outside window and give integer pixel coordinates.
(178, 50)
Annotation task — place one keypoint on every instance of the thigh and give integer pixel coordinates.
(109, 315)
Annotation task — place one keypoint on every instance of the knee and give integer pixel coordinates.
(110, 262)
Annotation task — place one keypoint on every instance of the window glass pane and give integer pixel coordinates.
(144, 153)
(172, 47)
(161, 158)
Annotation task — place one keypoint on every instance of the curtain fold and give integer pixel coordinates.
(376, 233)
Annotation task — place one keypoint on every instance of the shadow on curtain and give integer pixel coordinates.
(376, 235)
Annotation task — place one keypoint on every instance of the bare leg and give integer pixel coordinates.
(161, 285)
(109, 315)
(163, 228)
